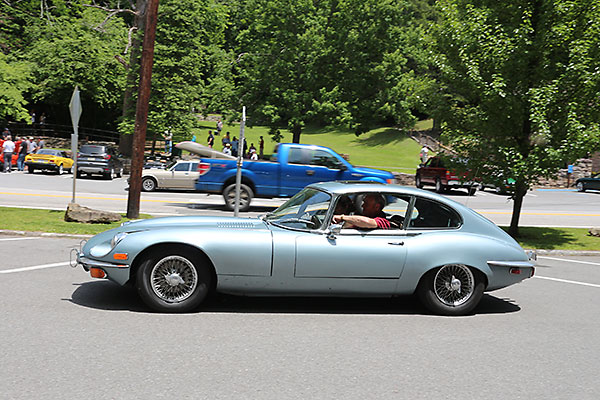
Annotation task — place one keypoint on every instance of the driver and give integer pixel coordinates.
(373, 215)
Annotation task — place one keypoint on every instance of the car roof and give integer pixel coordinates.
(345, 187)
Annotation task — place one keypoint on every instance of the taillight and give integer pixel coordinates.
(203, 168)
(107, 156)
(448, 174)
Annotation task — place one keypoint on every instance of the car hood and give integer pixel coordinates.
(374, 172)
(193, 222)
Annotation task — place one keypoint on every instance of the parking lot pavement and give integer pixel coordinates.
(65, 335)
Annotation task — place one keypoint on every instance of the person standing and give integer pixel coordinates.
(23, 150)
(168, 141)
(32, 146)
(210, 140)
(234, 146)
(225, 141)
(424, 155)
(8, 147)
(40, 144)
(219, 127)
(6, 133)
(261, 148)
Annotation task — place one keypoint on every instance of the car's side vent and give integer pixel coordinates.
(239, 225)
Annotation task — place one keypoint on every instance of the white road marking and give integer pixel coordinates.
(567, 281)
(54, 265)
(19, 238)
(567, 260)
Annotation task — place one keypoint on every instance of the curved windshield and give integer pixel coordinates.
(306, 210)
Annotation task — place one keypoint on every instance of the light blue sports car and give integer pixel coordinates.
(444, 252)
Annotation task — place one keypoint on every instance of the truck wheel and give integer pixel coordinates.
(418, 182)
(246, 195)
(439, 188)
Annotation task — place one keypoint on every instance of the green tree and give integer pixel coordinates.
(15, 82)
(519, 85)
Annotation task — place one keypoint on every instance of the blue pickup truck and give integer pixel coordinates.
(292, 168)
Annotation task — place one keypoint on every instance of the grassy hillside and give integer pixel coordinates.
(383, 148)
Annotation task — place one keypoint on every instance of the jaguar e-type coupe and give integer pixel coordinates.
(444, 252)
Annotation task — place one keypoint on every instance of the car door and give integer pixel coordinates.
(352, 254)
(180, 175)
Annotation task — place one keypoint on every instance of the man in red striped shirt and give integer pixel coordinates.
(373, 217)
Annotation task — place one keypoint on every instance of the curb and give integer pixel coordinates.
(539, 252)
(44, 234)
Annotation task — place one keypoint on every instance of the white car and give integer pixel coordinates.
(180, 175)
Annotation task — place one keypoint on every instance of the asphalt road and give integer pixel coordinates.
(67, 336)
(540, 207)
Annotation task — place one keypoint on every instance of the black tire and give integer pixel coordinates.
(110, 174)
(59, 170)
(120, 173)
(580, 187)
(173, 280)
(79, 174)
(30, 170)
(418, 182)
(148, 184)
(246, 195)
(472, 190)
(439, 188)
(452, 289)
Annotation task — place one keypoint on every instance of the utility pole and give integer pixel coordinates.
(141, 112)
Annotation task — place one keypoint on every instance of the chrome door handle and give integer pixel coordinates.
(396, 243)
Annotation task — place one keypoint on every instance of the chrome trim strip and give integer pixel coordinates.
(511, 264)
(86, 262)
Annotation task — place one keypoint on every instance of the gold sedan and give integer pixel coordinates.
(49, 159)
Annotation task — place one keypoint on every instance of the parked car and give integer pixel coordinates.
(441, 250)
(99, 159)
(435, 173)
(49, 160)
(292, 168)
(15, 155)
(503, 187)
(592, 182)
(179, 175)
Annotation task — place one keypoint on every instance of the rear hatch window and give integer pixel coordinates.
(92, 149)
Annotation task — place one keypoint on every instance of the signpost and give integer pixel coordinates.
(238, 175)
(75, 109)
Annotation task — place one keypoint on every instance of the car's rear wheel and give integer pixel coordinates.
(453, 289)
(110, 174)
(120, 173)
(30, 170)
(59, 170)
(174, 280)
(418, 182)
(439, 187)
(580, 187)
(148, 184)
(246, 195)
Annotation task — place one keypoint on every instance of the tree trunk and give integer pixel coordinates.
(126, 139)
(520, 192)
(296, 131)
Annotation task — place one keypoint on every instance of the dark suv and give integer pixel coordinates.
(435, 173)
(99, 159)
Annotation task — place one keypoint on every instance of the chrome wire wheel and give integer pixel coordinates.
(173, 279)
(454, 284)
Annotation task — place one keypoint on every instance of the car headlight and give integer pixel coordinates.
(117, 238)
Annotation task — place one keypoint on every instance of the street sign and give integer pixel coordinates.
(75, 109)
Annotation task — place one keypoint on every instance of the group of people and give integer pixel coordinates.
(231, 146)
(21, 146)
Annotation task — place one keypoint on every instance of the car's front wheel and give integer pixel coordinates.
(580, 187)
(246, 195)
(173, 280)
(439, 187)
(31, 170)
(453, 289)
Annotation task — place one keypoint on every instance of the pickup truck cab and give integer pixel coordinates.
(435, 173)
(293, 167)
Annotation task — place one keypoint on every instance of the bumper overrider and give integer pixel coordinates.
(100, 269)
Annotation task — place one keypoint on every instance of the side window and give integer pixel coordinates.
(194, 167)
(431, 214)
(297, 155)
(395, 209)
(323, 158)
(182, 167)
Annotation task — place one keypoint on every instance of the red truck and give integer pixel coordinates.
(435, 173)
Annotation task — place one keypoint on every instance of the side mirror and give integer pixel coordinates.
(333, 231)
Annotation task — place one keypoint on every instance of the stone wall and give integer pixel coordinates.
(583, 168)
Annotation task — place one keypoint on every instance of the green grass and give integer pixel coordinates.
(557, 239)
(384, 148)
(33, 220)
